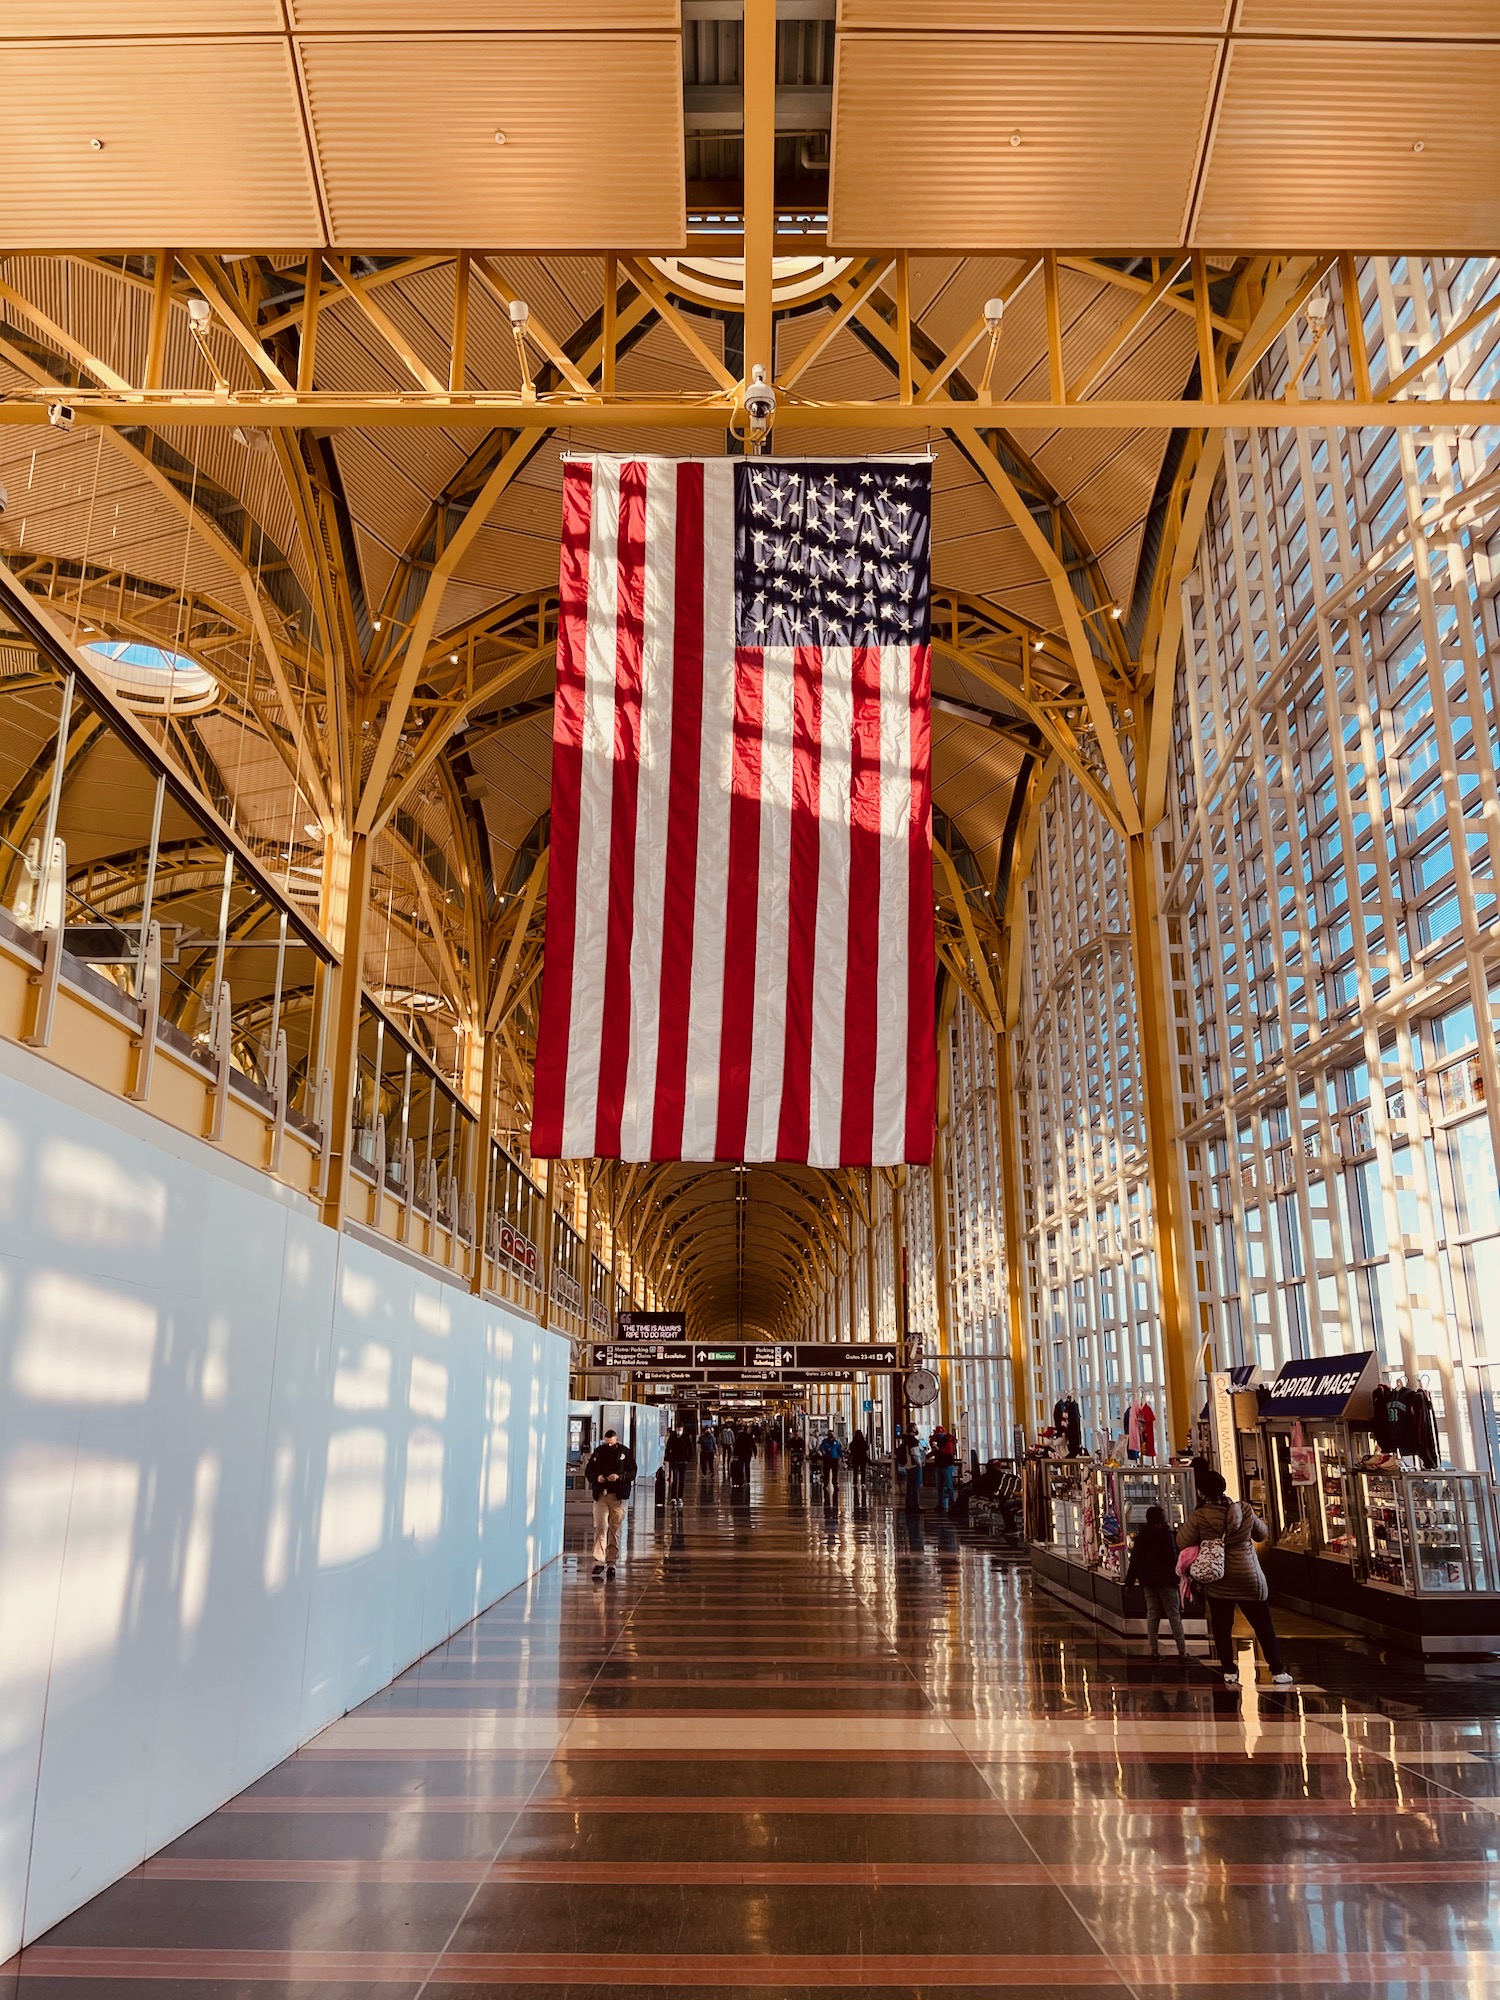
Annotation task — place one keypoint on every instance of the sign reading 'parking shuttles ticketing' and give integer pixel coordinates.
(734, 1357)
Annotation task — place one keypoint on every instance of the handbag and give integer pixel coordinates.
(1208, 1565)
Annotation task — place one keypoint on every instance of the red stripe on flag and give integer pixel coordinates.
(921, 1024)
(630, 631)
(857, 1120)
(742, 907)
(792, 1138)
(551, 1075)
(680, 885)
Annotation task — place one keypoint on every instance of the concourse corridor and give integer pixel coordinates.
(795, 1749)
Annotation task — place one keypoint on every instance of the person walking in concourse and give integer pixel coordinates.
(707, 1447)
(910, 1454)
(1153, 1565)
(945, 1457)
(726, 1448)
(859, 1463)
(1241, 1580)
(610, 1473)
(829, 1453)
(679, 1456)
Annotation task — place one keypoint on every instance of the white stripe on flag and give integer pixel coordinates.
(700, 1125)
(768, 1048)
(651, 807)
(888, 1139)
(595, 811)
(831, 949)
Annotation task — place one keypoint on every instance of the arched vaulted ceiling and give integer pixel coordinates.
(365, 186)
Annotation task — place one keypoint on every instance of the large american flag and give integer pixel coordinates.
(739, 952)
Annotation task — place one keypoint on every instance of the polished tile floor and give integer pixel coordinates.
(800, 1749)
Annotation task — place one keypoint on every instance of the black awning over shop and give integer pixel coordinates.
(1333, 1385)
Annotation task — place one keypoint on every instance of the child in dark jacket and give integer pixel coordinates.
(1153, 1565)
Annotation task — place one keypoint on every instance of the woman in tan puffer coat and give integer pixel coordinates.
(1219, 1519)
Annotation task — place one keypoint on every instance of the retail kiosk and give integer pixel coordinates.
(1403, 1553)
(1080, 1516)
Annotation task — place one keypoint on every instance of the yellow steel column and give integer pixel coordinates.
(870, 1249)
(760, 181)
(898, 1240)
(941, 1231)
(549, 1238)
(480, 1169)
(1155, 1042)
(346, 906)
(1010, 1215)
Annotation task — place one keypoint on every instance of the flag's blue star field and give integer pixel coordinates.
(831, 555)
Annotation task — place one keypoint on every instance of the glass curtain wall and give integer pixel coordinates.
(1087, 1254)
(1327, 885)
(980, 1326)
(1330, 879)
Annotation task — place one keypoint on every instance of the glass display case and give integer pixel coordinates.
(1311, 1515)
(1095, 1509)
(1425, 1533)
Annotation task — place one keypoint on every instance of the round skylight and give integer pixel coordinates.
(720, 281)
(152, 679)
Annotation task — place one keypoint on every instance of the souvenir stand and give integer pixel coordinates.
(1080, 1516)
(1361, 1537)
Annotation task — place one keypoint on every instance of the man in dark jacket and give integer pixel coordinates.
(610, 1473)
(679, 1456)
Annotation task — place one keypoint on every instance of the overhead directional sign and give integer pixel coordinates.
(766, 1378)
(615, 1354)
(845, 1354)
(743, 1360)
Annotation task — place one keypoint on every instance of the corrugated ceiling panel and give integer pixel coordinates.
(405, 131)
(203, 144)
(922, 140)
(660, 362)
(1372, 19)
(1315, 145)
(1119, 493)
(378, 492)
(1007, 16)
(951, 307)
(140, 17)
(370, 17)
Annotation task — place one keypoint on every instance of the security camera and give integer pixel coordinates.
(60, 416)
(760, 402)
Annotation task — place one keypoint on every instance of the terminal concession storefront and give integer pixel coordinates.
(1365, 1538)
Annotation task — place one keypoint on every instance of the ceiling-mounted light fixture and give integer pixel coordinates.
(994, 313)
(499, 138)
(520, 316)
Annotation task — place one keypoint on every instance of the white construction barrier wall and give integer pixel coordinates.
(249, 1471)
